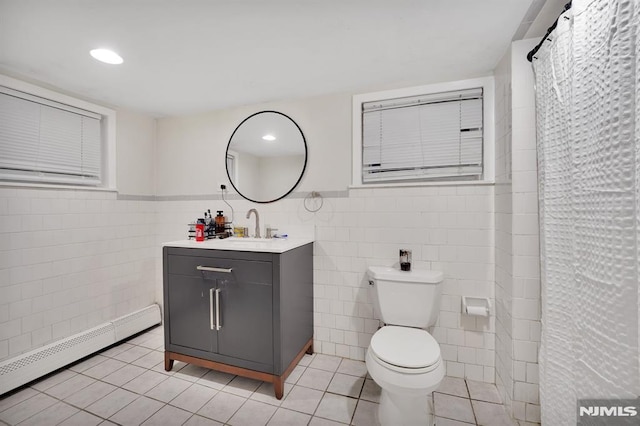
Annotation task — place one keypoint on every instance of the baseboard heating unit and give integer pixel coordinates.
(26, 367)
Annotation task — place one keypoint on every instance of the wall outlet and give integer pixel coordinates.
(220, 185)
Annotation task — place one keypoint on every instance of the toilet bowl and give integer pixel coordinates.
(406, 364)
(403, 358)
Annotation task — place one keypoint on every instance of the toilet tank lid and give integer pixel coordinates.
(415, 275)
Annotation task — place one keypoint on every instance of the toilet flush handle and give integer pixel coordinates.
(370, 282)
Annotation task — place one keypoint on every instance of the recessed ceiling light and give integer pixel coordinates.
(107, 56)
(269, 138)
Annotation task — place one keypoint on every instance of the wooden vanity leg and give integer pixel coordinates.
(278, 387)
(310, 349)
(168, 362)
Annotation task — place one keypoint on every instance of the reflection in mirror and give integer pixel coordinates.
(266, 156)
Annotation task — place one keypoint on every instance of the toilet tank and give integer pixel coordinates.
(409, 299)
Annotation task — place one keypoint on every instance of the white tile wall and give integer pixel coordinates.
(517, 254)
(449, 228)
(504, 200)
(70, 260)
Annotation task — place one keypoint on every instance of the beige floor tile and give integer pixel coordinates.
(132, 354)
(453, 386)
(488, 414)
(370, 391)
(191, 373)
(8, 401)
(343, 384)
(136, 412)
(295, 374)
(168, 389)
(53, 380)
(302, 399)
(155, 342)
(115, 350)
(81, 418)
(265, 394)
(284, 417)
(318, 421)
(51, 415)
(145, 382)
(196, 420)
(124, 375)
(441, 421)
(366, 414)
(92, 393)
(352, 368)
(27, 408)
(193, 398)
(486, 392)
(112, 403)
(215, 379)
(104, 368)
(149, 360)
(242, 386)
(453, 407)
(88, 363)
(71, 386)
(221, 407)
(306, 360)
(252, 413)
(325, 362)
(336, 407)
(315, 379)
(168, 416)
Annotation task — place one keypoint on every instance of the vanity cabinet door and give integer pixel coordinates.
(189, 312)
(246, 309)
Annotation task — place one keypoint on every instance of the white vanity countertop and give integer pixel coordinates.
(273, 245)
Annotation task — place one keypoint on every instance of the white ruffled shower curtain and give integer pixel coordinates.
(588, 130)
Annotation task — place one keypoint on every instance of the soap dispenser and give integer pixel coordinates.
(405, 260)
(220, 223)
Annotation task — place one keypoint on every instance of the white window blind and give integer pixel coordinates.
(45, 141)
(423, 137)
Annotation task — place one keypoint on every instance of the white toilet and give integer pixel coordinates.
(403, 358)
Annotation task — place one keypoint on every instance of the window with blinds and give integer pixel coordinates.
(434, 136)
(46, 141)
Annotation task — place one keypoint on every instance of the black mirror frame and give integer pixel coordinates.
(304, 166)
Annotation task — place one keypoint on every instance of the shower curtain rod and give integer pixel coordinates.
(551, 28)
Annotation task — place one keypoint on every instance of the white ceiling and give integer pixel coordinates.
(189, 56)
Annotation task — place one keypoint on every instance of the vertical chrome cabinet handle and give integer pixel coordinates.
(211, 307)
(218, 326)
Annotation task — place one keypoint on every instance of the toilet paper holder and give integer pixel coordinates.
(478, 306)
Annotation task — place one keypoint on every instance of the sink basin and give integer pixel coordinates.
(252, 240)
(267, 245)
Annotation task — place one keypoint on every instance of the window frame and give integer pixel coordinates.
(486, 83)
(107, 131)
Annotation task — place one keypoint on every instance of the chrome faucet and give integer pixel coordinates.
(257, 221)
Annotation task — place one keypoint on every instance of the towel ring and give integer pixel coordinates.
(312, 197)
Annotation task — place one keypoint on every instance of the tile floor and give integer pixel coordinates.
(127, 385)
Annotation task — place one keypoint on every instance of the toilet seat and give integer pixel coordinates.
(405, 349)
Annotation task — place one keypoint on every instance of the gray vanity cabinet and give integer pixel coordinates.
(246, 313)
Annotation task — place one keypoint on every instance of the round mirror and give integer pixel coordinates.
(266, 156)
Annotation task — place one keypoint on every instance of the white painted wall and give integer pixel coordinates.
(136, 165)
(197, 143)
